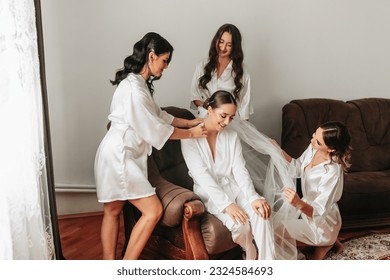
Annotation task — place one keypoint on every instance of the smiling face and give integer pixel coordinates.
(225, 45)
(220, 117)
(158, 63)
(317, 141)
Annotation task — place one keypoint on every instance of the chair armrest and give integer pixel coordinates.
(193, 209)
(193, 239)
(173, 198)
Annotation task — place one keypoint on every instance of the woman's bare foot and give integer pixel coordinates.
(339, 247)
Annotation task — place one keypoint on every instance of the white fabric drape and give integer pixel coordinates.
(25, 226)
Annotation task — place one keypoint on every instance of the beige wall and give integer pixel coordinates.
(293, 49)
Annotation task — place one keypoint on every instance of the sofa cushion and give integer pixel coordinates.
(375, 115)
(366, 191)
(369, 126)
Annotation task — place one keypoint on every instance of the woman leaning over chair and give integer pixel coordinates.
(137, 124)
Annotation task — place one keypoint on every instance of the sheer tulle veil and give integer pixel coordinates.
(269, 172)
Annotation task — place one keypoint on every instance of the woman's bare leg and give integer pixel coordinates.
(110, 228)
(321, 251)
(151, 210)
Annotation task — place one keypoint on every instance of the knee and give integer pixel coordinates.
(240, 230)
(113, 209)
(154, 213)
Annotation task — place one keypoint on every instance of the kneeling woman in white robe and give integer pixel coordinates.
(320, 168)
(223, 183)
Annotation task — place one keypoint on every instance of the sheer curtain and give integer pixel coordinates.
(26, 205)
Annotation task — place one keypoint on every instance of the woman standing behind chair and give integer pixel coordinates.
(137, 124)
(223, 183)
(321, 168)
(223, 70)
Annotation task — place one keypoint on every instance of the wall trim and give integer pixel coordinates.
(73, 188)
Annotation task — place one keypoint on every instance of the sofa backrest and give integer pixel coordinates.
(369, 125)
(368, 121)
(169, 159)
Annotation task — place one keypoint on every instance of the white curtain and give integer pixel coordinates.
(25, 224)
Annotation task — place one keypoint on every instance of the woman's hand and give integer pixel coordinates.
(198, 131)
(292, 197)
(286, 155)
(236, 214)
(297, 202)
(275, 143)
(262, 208)
(195, 122)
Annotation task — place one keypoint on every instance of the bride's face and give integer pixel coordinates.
(221, 117)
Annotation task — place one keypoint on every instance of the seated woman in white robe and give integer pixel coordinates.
(321, 169)
(223, 183)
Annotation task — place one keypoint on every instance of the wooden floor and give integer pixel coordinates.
(80, 236)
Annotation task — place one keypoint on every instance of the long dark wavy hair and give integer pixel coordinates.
(135, 62)
(336, 137)
(237, 57)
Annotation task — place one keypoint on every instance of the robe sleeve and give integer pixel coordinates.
(246, 108)
(196, 92)
(147, 120)
(202, 175)
(295, 166)
(240, 172)
(330, 187)
(165, 116)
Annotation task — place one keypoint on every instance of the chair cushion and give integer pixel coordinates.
(216, 236)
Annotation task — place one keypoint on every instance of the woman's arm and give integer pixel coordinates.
(245, 109)
(285, 154)
(184, 123)
(198, 131)
(298, 203)
(198, 103)
(196, 95)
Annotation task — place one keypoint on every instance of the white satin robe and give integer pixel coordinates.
(224, 82)
(322, 187)
(137, 124)
(224, 181)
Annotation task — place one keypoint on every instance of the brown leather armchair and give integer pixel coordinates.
(186, 230)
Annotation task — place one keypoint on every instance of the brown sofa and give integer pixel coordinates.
(366, 196)
(186, 230)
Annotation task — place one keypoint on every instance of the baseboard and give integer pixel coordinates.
(69, 203)
(80, 215)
